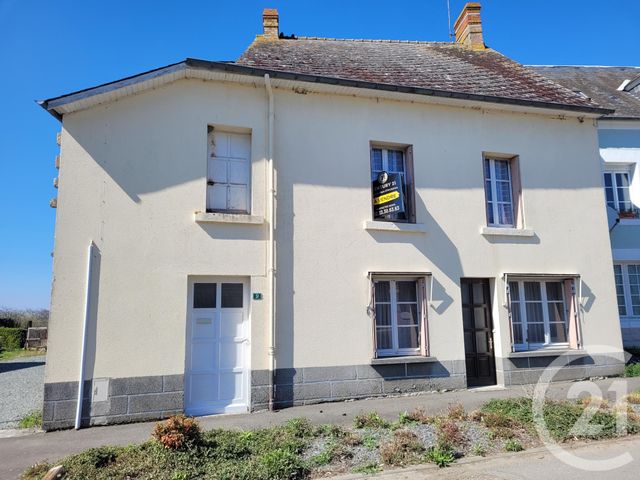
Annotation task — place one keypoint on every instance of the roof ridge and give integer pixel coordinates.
(370, 40)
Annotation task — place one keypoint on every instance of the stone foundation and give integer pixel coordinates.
(527, 367)
(128, 400)
(303, 386)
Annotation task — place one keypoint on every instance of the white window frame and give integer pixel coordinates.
(494, 197)
(211, 133)
(405, 175)
(395, 350)
(612, 170)
(626, 285)
(545, 314)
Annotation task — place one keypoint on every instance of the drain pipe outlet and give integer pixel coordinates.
(85, 328)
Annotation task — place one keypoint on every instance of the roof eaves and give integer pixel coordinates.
(51, 104)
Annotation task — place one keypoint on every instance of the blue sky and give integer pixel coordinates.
(51, 47)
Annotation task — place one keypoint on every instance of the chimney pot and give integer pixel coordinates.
(270, 27)
(468, 27)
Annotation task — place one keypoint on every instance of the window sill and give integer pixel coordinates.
(544, 352)
(405, 359)
(239, 218)
(395, 227)
(507, 232)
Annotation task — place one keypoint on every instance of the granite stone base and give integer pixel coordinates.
(527, 369)
(130, 399)
(303, 386)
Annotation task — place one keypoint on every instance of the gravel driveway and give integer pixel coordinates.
(21, 388)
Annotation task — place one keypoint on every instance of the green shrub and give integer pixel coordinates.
(441, 455)
(12, 338)
(513, 446)
(370, 420)
(632, 370)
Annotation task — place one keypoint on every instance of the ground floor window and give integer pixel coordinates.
(627, 277)
(538, 313)
(399, 310)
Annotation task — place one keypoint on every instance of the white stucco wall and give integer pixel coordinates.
(133, 173)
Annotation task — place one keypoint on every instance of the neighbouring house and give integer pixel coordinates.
(322, 220)
(617, 88)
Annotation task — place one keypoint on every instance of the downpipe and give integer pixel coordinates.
(85, 329)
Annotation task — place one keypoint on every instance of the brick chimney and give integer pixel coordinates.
(270, 27)
(468, 27)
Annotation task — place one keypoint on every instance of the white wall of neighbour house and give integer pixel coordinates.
(620, 146)
(133, 173)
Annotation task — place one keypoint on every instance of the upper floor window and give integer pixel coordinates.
(616, 188)
(499, 192)
(228, 171)
(393, 167)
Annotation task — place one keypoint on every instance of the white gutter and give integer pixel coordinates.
(85, 328)
(271, 271)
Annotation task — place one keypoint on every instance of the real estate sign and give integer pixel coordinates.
(387, 195)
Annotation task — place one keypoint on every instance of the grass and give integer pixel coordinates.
(11, 354)
(31, 420)
(283, 452)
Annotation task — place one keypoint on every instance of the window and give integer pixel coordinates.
(538, 313)
(617, 194)
(395, 161)
(399, 313)
(204, 295)
(499, 192)
(228, 171)
(628, 289)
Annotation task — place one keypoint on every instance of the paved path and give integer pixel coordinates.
(19, 452)
(537, 464)
(21, 388)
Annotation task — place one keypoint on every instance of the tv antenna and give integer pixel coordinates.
(449, 19)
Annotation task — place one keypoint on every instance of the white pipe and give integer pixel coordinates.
(271, 271)
(85, 327)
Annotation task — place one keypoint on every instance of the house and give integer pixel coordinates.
(322, 220)
(617, 88)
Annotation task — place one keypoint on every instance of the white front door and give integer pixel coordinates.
(217, 370)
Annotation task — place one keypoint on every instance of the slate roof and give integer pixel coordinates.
(431, 65)
(599, 84)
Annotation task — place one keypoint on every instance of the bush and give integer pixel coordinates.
(513, 446)
(449, 434)
(12, 338)
(632, 370)
(177, 432)
(441, 455)
(402, 450)
(456, 411)
(419, 415)
(370, 420)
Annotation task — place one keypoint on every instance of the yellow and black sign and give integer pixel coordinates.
(387, 195)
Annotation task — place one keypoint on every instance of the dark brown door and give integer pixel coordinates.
(478, 335)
